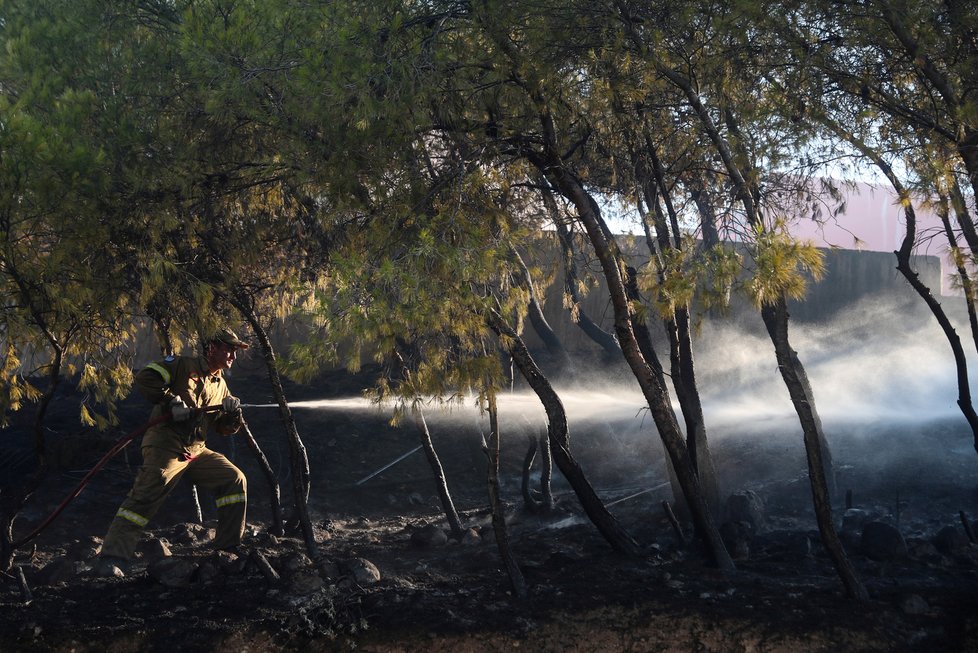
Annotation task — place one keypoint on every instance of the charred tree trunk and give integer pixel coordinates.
(559, 438)
(546, 472)
(297, 450)
(626, 328)
(967, 286)
(529, 501)
(535, 311)
(906, 269)
(677, 327)
(437, 470)
(517, 582)
(275, 491)
(776, 320)
(704, 206)
(441, 482)
(604, 339)
(960, 360)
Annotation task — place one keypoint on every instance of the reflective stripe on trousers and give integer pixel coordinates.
(230, 499)
(135, 518)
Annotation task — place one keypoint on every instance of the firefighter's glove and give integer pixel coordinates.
(179, 411)
(231, 406)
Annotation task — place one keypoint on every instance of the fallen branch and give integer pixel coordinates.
(263, 565)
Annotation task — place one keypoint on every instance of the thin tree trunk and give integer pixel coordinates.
(960, 359)
(776, 320)
(274, 489)
(195, 500)
(441, 482)
(905, 268)
(298, 457)
(559, 438)
(964, 220)
(677, 326)
(517, 582)
(604, 339)
(531, 453)
(646, 371)
(437, 470)
(546, 472)
(539, 321)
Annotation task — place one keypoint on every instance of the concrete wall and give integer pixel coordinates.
(850, 276)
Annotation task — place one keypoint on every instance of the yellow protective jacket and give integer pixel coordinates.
(190, 379)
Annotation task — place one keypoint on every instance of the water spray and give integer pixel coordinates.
(387, 466)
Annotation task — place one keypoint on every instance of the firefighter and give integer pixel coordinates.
(178, 386)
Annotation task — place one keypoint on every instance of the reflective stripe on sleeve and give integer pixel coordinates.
(231, 498)
(129, 515)
(162, 371)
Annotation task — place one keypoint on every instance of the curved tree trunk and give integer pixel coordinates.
(776, 320)
(965, 221)
(627, 329)
(559, 438)
(517, 582)
(546, 472)
(905, 268)
(275, 491)
(454, 523)
(437, 470)
(531, 453)
(677, 327)
(535, 311)
(604, 339)
(298, 457)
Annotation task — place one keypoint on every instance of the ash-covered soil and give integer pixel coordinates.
(390, 581)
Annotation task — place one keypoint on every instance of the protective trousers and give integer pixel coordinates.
(158, 475)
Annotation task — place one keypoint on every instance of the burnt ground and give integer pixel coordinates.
(454, 596)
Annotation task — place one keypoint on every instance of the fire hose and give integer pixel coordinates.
(116, 448)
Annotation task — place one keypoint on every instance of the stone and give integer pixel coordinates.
(57, 571)
(746, 506)
(882, 542)
(854, 519)
(173, 571)
(208, 572)
(85, 549)
(330, 570)
(737, 537)
(229, 562)
(429, 536)
(110, 568)
(950, 540)
(914, 604)
(362, 570)
(294, 562)
(304, 583)
(155, 548)
(188, 533)
(471, 537)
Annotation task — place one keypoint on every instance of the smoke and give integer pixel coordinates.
(883, 380)
(872, 363)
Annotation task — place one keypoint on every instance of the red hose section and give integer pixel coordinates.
(116, 448)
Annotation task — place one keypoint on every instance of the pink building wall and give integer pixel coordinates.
(874, 221)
